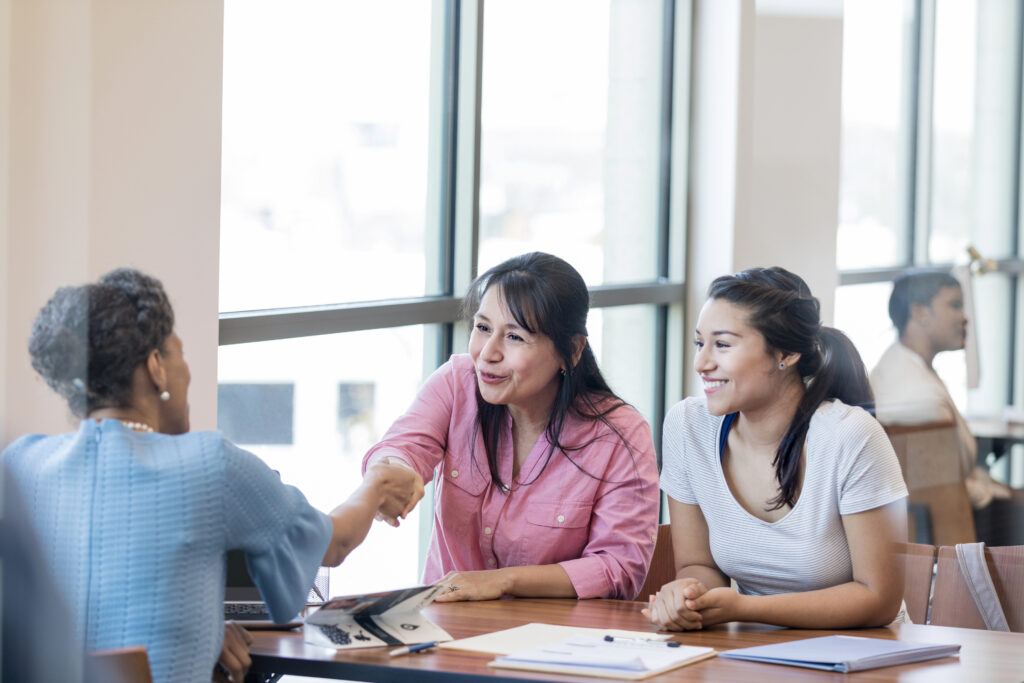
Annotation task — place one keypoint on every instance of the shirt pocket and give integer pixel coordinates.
(555, 531)
(460, 497)
(559, 514)
(463, 474)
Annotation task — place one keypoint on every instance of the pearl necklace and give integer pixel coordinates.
(137, 426)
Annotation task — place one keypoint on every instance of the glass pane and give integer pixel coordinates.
(873, 190)
(623, 341)
(862, 312)
(570, 134)
(992, 328)
(329, 398)
(325, 126)
(975, 125)
(953, 129)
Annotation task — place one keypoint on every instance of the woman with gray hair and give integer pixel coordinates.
(136, 514)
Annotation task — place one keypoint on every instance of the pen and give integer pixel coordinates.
(411, 648)
(642, 641)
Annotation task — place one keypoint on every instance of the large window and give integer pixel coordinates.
(378, 156)
(931, 165)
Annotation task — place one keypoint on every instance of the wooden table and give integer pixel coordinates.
(985, 656)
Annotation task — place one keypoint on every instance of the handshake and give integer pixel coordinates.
(397, 486)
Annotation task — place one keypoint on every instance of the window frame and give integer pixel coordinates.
(453, 214)
(918, 187)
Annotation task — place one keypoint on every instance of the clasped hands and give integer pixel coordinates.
(400, 488)
(687, 605)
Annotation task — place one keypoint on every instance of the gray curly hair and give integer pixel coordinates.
(87, 341)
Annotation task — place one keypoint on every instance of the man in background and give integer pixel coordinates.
(927, 309)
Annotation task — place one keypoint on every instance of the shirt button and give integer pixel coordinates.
(490, 562)
(487, 530)
(455, 474)
(561, 518)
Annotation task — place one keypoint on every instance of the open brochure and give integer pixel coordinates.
(843, 653)
(631, 659)
(388, 618)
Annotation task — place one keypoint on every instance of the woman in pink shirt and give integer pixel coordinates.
(546, 481)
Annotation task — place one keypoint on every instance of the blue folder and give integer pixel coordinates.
(843, 653)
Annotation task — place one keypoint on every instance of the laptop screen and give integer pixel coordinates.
(239, 586)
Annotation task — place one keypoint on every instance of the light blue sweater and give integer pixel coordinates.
(135, 528)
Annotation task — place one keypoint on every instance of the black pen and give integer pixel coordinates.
(642, 641)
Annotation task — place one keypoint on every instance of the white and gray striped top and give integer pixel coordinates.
(851, 467)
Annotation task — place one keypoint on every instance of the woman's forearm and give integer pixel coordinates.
(848, 605)
(709, 576)
(352, 520)
(537, 581)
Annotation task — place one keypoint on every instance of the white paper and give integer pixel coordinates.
(532, 636)
(591, 652)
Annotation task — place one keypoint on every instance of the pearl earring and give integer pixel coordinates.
(165, 395)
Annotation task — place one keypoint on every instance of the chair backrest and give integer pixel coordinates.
(125, 665)
(952, 604)
(918, 567)
(930, 459)
(663, 564)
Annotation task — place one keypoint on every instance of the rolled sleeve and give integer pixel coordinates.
(624, 524)
(419, 437)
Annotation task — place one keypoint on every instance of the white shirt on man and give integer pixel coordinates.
(908, 391)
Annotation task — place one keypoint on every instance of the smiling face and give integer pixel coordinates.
(514, 367)
(738, 371)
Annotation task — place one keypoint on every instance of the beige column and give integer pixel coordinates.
(112, 159)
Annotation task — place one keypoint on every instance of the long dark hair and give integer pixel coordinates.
(783, 310)
(546, 295)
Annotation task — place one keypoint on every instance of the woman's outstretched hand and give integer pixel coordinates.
(400, 488)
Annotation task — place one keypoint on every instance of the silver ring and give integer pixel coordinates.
(452, 588)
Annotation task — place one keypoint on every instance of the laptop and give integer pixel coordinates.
(243, 603)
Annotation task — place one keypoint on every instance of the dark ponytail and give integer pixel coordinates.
(783, 310)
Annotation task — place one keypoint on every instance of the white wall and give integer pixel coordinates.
(765, 143)
(114, 160)
(5, 147)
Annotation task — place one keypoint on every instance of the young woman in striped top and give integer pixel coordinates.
(776, 478)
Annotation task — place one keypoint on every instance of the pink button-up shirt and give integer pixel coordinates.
(600, 528)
